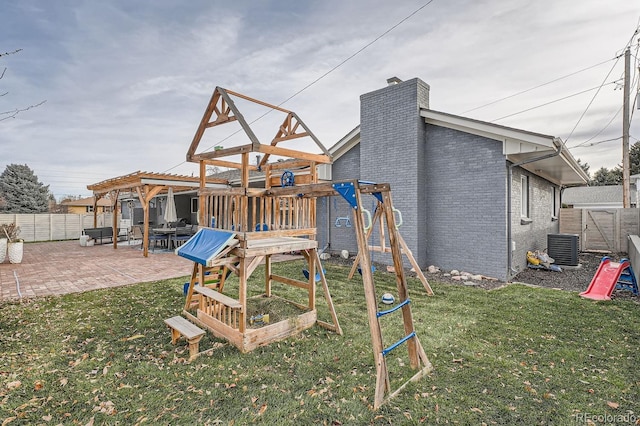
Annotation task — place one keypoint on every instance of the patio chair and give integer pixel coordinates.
(183, 233)
(135, 233)
(157, 236)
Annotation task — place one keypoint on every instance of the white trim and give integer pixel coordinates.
(514, 141)
(345, 144)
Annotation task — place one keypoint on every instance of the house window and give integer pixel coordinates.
(554, 202)
(89, 209)
(194, 205)
(524, 202)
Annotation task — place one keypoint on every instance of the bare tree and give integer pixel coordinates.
(5, 115)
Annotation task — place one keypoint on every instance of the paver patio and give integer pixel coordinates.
(61, 267)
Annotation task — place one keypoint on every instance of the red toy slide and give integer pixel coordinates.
(605, 279)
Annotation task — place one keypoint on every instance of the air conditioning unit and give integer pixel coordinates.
(564, 248)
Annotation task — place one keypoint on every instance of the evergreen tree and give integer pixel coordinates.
(585, 167)
(634, 159)
(605, 176)
(21, 190)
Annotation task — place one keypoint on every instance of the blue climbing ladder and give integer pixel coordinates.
(352, 192)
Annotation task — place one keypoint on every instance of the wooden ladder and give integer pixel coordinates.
(417, 356)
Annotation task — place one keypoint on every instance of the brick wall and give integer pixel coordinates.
(531, 235)
(451, 187)
(464, 188)
(392, 151)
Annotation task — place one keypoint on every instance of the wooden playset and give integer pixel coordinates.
(248, 225)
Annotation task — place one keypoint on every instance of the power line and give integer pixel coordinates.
(353, 55)
(564, 143)
(636, 79)
(538, 86)
(551, 102)
(356, 53)
(599, 132)
(584, 144)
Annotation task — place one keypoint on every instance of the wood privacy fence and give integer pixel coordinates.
(54, 227)
(601, 229)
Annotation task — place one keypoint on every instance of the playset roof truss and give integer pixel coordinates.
(222, 109)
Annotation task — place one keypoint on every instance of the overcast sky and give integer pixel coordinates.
(126, 82)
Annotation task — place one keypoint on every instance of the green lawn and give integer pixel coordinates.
(516, 355)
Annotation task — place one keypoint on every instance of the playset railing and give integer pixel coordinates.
(234, 210)
(223, 308)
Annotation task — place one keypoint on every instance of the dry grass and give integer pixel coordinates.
(516, 355)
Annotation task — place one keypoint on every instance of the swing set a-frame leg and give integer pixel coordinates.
(405, 250)
(417, 355)
(335, 327)
(377, 215)
(415, 265)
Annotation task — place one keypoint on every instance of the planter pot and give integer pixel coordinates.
(3, 249)
(15, 249)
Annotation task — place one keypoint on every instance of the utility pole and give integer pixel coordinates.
(625, 131)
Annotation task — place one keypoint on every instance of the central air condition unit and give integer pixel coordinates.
(564, 248)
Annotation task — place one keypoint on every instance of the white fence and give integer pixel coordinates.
(54, 227)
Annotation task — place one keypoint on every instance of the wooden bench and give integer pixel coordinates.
(182, 327)
(218, 297)
(221, 307)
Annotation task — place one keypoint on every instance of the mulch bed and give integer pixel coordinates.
(575, 279)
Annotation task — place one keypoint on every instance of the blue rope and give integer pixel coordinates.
(395, 308)
(398, 343)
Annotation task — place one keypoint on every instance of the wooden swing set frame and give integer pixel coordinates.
(281, 218)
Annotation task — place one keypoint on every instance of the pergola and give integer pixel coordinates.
(146, 185)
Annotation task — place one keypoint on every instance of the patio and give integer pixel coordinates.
(61, 267)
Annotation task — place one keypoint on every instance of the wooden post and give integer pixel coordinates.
(192, 281)
(115, 193)
(327, 295)
(382, 375)
(314, 200)
(625, 131)
(202, 214)
(145, 242)
(401, 281)
(242, 292)
(95, 210)
(312, 277)
(267, 275)
(268, 214)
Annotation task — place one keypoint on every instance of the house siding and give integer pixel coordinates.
(465, 192)
(451, 187)
(392, 151)
(531, 236)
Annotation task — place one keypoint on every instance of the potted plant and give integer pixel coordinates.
(15, 245)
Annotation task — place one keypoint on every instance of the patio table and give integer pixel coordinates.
(169, 232)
